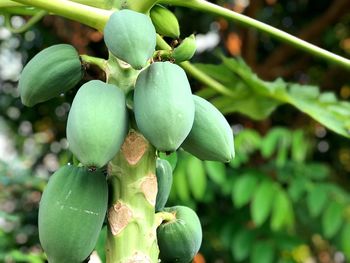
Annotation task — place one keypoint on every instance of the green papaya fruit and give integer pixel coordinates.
(211, 136)
(179, 240)
(71, 213)
(185, 50)
(163, 105)
(97, 123)
(49, 73)
(164, 173)
(165, 21)
(131, 37)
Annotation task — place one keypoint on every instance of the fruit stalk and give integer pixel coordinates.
(85, 14)
(131, 215)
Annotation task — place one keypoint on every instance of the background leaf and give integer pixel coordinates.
(262, 201)
(316, 199)
(243, 189)
(332, 219)
(216, 171)
(197, 178)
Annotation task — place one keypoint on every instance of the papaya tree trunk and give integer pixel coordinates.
(131, 214)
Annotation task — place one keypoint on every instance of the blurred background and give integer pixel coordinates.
(285, 197)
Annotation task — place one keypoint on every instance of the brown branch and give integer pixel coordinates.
(249, 36)
(337, 9)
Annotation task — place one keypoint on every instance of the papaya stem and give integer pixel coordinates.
(104, 4)
(8, 3)
(100, 62)
(162, 54)
(32, 21)
(278, 34)
(197, 73)
(164, 217)
(142, 6)
(88, 15)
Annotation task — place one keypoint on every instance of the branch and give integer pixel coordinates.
(32, 21)
(283, 53)
(197, 73)
(91, 16)
(208, 7)
(142, 6)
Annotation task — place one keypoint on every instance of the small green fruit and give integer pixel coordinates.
(71, 213)
(185, 50)
(163, 105)
(131, 37)
(97, 123)
(49, 73)
(164, 173)
(179, 240)
(211, 136)
(165, 22)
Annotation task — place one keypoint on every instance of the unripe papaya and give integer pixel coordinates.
(163, 105)
(185, 50)
(165, 21)
(164, 173)
(97, 123)
(179, 240)
(131, 37)
(211, 136)
(49, 73)
(71, 213)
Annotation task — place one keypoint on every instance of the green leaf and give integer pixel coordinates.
(263, 252)
(243, 189)
(299, 146)
(282, 212)
(262, 201)
(315, 171)
(316, 199)
(216, 171)
(297, 188)
(197, 179)
(332, 219)
(345, 240)
(180, 184)
(242, 244)
(278, 139)
(258, 99)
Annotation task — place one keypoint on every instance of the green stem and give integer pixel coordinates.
(104, 4)
(32, 21)
(91, 16)
(100, 62)
(8, 3)
(208, 7)
(22, 10)
(197, 73)
(164, 217)
(142, 6)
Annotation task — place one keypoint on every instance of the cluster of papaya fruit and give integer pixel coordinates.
(74, 203)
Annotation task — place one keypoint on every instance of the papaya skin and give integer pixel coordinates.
(185, 50)
(97, 123)
(164, 175)
(179, 240)
(131, 37)
(165, 21)
(49, 73)
(211, 136)
(71, 213)
(163, 105)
